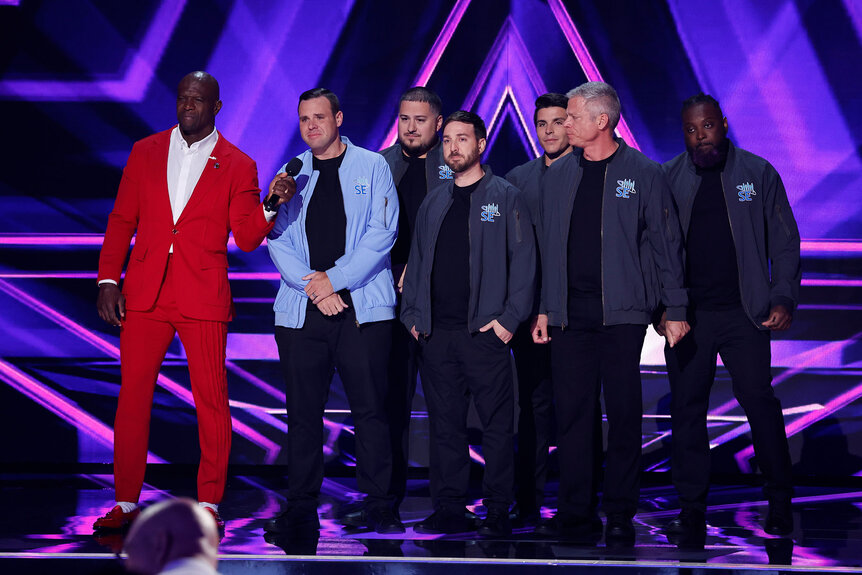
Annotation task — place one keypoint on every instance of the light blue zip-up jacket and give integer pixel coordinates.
(371, 207)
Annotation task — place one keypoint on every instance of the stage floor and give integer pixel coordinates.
(48, 528)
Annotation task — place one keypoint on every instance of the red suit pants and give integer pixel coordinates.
(144, 340)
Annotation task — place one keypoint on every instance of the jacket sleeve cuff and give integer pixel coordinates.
(782, 300)
(336, 278)
(509, 322)
(676, 314)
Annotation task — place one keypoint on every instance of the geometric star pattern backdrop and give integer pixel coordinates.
(81, 80)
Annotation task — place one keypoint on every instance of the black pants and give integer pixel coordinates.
(309, 356)
(455, 366)
(404, 364)
(746, 354)
(535, 403)
(586, 359)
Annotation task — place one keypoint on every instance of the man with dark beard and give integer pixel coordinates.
(743, 275)
(469, 283)
(416, 161)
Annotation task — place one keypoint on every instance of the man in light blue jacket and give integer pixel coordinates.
(333, 310)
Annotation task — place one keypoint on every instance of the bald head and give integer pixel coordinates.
(204, 78)
(171, 530)
(197, 105)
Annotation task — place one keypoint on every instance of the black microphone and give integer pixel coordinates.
(293, 167)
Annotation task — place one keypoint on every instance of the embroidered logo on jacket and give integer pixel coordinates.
(489, 212)
(745, 192)
(625, 187)
(361, 186)
(445, 172)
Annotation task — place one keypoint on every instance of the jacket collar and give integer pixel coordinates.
(217, 165)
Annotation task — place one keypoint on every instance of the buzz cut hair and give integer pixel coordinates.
(600, 98)
(549, 100)
(426, 95)
(321, 93)
(466, 117)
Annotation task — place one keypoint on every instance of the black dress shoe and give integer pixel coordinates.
(444, 521)
(382, 519)
(779, 519)
(496, 523)
(687, 530)
(297, 542)
(294, 519)
(352, 514)
(573, 529)
(688, 520)
(522, 516)
(548, 527)
(619, 531)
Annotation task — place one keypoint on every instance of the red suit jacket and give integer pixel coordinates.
(226, 198)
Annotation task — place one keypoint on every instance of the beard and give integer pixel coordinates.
(462, 162)
(709, 156)
(418, 149)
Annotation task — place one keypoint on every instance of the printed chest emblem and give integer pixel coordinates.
(625, 188)
(361, 186)
(745, 192)
(489, 212)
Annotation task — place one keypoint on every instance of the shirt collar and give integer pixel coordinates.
(179, 141)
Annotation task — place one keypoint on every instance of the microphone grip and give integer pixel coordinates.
(291, 169)
(270, 204)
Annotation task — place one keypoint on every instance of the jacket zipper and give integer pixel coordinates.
(564, 265)
(385, 209)
(517, 226)
(431, 247)
(738, 267)
(470, 260)
(602, 240)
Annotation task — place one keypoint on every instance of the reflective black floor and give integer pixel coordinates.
(49, 522)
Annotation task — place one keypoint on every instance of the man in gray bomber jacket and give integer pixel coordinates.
(610, 245)
(743, 275)
(469, 283)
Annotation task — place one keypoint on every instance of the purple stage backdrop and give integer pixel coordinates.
(81, 80)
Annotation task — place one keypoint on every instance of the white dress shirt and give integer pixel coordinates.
(185, 166)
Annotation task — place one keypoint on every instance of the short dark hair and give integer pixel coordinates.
(466, 117)
(321, 93)
(423, 94)
(549, 100)
(701, 99)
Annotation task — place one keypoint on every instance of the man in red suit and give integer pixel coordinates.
(183, 190)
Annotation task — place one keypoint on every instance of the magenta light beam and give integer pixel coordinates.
(589, 67)
(130, 88)
(113, 351)
(61, 406)
(433, 58)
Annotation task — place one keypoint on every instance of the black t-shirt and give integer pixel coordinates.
(326, 220)
(411, 191)
(585, 232)
(450, 274)
(711, 269)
